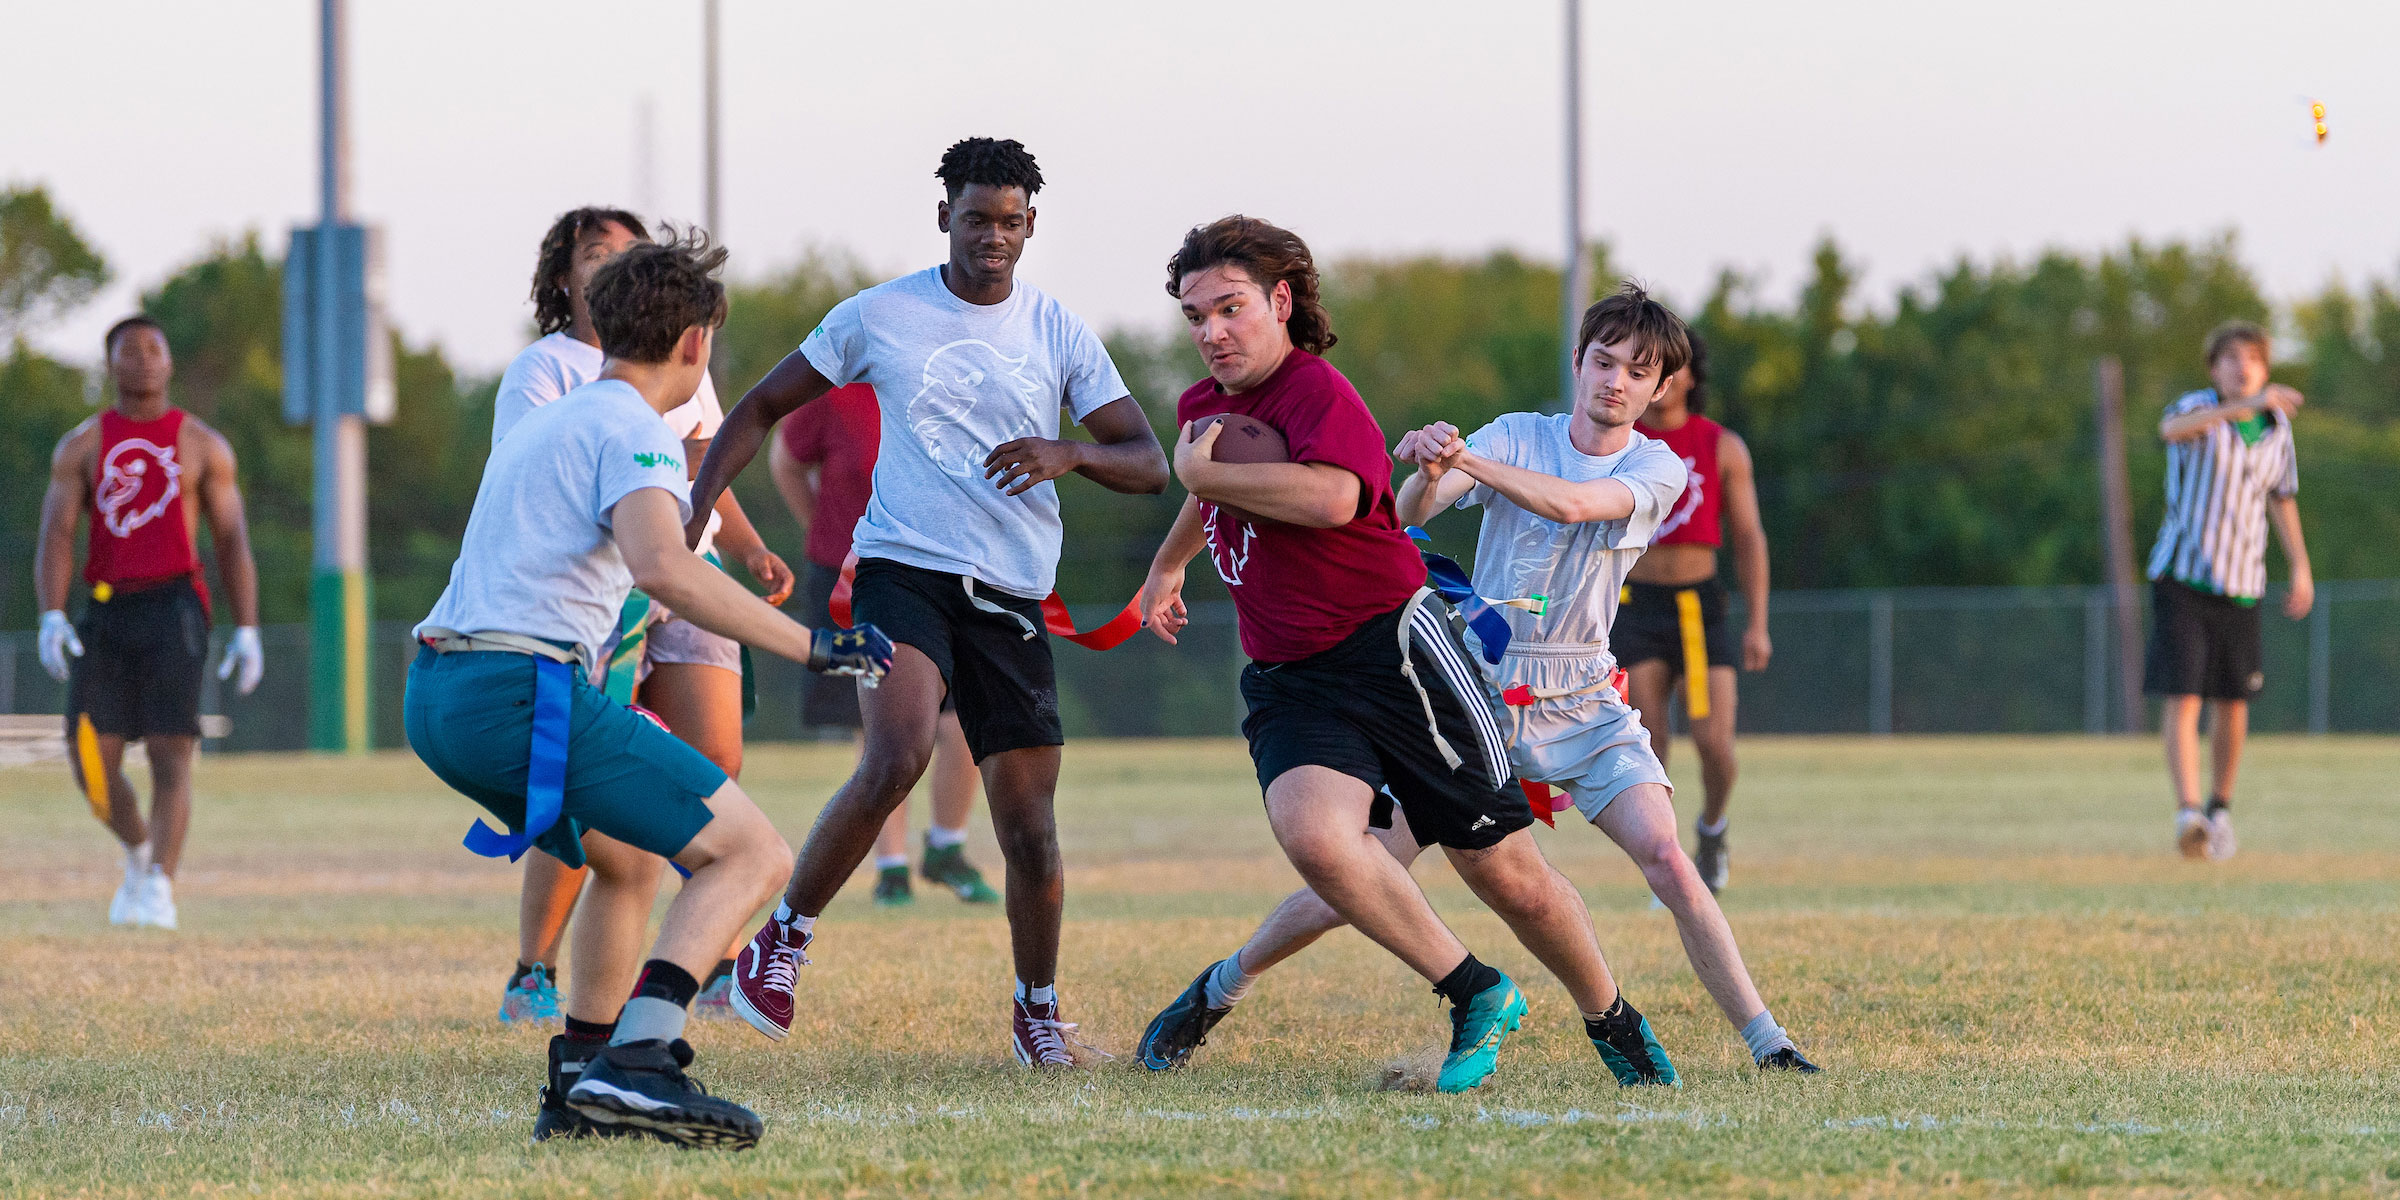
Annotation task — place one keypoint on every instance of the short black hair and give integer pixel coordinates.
(1659, 336)
(1695, 397)
(108, 341)
(645, 298)
(989, 161)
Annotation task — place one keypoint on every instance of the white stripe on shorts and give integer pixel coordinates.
(1466, 686)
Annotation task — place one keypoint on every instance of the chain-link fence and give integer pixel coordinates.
(1903, 660)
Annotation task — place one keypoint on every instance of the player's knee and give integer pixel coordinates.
(1031, 846)
(888, 772)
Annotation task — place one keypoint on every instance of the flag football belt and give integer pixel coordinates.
(1695, 649)
(1545, 799)
(1055, 618)
(553, 713)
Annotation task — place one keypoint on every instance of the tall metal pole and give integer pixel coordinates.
(338, 580)
(1577, 287)
(710, 194)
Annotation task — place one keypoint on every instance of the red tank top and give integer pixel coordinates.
(140, 532)
(1693, 522)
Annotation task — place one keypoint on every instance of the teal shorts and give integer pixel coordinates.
(469, 716)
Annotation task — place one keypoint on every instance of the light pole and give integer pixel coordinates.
(1576, 288)
(711, 181)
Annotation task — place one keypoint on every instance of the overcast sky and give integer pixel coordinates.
(1719, 132)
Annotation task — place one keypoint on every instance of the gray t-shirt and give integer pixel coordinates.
(1579, 567)
(954, 380)
(540, 555)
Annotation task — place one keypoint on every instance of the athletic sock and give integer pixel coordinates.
(595, 1032)
(1765, 1037)
(137, 858)
(523, 969)
(1227, 982)
(1465, 980)
(723, 970)
(1045, 994)
(938, 838)
(1701, 827)
(885, 862)
(659, 1006)
(794, 921)
(1621, 1017)
(2217, 804)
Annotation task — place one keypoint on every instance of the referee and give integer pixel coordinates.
(2231, 473)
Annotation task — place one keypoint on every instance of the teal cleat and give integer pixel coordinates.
(532, 997)
(1476, 1032)
(948, 867)
(1632, 1054)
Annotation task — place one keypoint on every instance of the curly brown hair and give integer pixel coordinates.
(645, 298)
(1268, 254)
(551, 310)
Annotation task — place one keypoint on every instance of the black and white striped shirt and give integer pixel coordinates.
(2215, 533)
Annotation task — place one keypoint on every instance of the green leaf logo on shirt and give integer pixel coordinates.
(657, 460)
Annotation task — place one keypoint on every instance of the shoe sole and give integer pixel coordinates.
(757, 1020)
(1507, 1027)
(607, 1105)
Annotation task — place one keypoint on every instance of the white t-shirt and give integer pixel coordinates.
(954, 381)
(558, 364)
(540, 555)
(1579, 567)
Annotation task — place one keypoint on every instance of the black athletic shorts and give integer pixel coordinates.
(998, 668)
(2201, 644)
(829, 701)
(1351, 709)
(1650, 625)
(140, 670)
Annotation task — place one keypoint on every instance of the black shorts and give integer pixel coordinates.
(2201, 644)
(1000, 676)
(1351, 709)
(829, 701)
(140, 670)
(1650, 626)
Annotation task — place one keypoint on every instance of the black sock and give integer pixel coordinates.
(521, 970)
(1466, 979)
(663, 980)
(2218, 804)
(590, 1031)
(1620, 1017)
(724, 969)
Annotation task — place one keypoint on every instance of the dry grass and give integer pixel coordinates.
(2018, 988)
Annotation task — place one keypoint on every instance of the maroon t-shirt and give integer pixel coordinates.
(840, 432)
(1300, 591)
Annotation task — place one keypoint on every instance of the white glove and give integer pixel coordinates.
(243, 651)
(58, 640)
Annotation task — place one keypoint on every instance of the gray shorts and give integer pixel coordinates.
(1593, 746)
(676, 640)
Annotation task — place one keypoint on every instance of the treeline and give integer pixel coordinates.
(1944, 437)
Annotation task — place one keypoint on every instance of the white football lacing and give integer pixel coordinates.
(783, 964)
(1051, 1038)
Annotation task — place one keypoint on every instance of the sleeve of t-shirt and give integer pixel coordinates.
(639, 454)
(1656, 475)
(2287, 485)
(1088, 374)
(531, 381)
(837, 349)
(803, 432)
(1497, 441)
(2191, 402)
(1345, 435)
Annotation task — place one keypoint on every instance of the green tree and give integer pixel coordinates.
(46, 268)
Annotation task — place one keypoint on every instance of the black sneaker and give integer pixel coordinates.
(642, 1084)
(1711, 859)
(554, 1119)
(891, 888)
(1789, 1059)
(1182, 1027)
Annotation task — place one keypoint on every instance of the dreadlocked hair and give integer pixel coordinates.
(1695, 397)
(1268, 254)
(551, 311)
(1660, 338)
(992, 162)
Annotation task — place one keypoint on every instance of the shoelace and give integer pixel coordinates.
(1051, 1038)
(784, 963)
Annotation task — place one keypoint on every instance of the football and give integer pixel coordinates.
(1245, 440)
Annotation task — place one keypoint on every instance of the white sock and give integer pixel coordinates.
(137, 858)
(792, 920)
(1719, 831)
(646, 1018)
(1227, 983)
(885, 862)
(1764, 1036)
(1047, 994)
(938, 838)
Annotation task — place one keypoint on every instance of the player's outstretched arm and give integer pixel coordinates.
(1315, 495)
(792, 383)
(2183, 427)
(1123, 455)
(1548, 496)
(649, 537)
(1162, 592)
(1434, 486)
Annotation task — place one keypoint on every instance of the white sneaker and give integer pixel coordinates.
(157, 908)
(2191, 833)
(2221, 844)
(126, 908)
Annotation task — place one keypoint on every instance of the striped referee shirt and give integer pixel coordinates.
(2215, 534)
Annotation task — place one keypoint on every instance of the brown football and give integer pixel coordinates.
(1245, 440)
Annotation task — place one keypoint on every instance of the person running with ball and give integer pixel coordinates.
(582, 502)
(1569, 503)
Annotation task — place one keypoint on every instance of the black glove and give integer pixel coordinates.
(859, 650)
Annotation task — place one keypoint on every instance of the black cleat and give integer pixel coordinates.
(1712, 861)
(554, 1119)
(1789, 1059)
(642, 1084)
(1182, 1028)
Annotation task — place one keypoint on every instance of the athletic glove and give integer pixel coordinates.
(243, 652)
(859, 650)
(58, 641)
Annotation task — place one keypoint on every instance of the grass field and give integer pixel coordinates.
(2017, 987)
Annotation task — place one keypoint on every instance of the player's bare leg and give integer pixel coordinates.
(1303, 917)
(170, 796)
(2228, 729)
(955, 782)
(1544, 911)
(1652, 684)
(1641, 821)
(1712, 737)
(622, 883)
(1319, 816)
(1023, 786)
(2179, 721)
(124, 806)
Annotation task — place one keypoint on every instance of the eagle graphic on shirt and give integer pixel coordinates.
(1693, 487)
(138, 480)
(1227, 558)
(973, 399)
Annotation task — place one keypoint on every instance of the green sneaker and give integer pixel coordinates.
(1633, 1055)
(1476, 1032)
(948, 867)
(891, 887)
